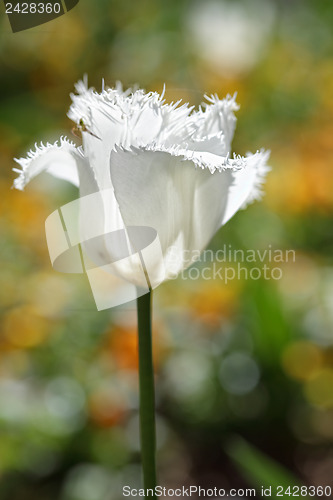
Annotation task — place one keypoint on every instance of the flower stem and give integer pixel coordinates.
(147, 392)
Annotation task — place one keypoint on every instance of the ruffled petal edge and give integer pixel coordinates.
(27, 173)
(200, 159)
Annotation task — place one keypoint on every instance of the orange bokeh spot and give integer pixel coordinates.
(213, 302)
(106, 410)
(123, 344)
(302, 179)
(122, 347)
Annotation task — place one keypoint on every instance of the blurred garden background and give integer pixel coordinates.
(244, 370)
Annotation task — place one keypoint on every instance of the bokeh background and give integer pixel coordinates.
(244, 371)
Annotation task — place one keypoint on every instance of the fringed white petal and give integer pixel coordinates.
(217, 117)
(214, 143)
(200, 159)
(177, 126)
(185, 196)
(209, 129)
(164, 190)
(135, 118)
(87, 97)
(123, 118)
(261, 170)
(58, 159)
(247, 182)
(142, 117)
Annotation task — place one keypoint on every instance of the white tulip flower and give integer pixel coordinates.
(168, 168)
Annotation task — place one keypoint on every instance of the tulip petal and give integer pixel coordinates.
(164, 190)
(209, 129)
(184, 204)
(214, 143)
(247, 183)
(217, 117)
(114, 117)
(58, 159)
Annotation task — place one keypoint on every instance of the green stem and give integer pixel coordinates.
(147, 393)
